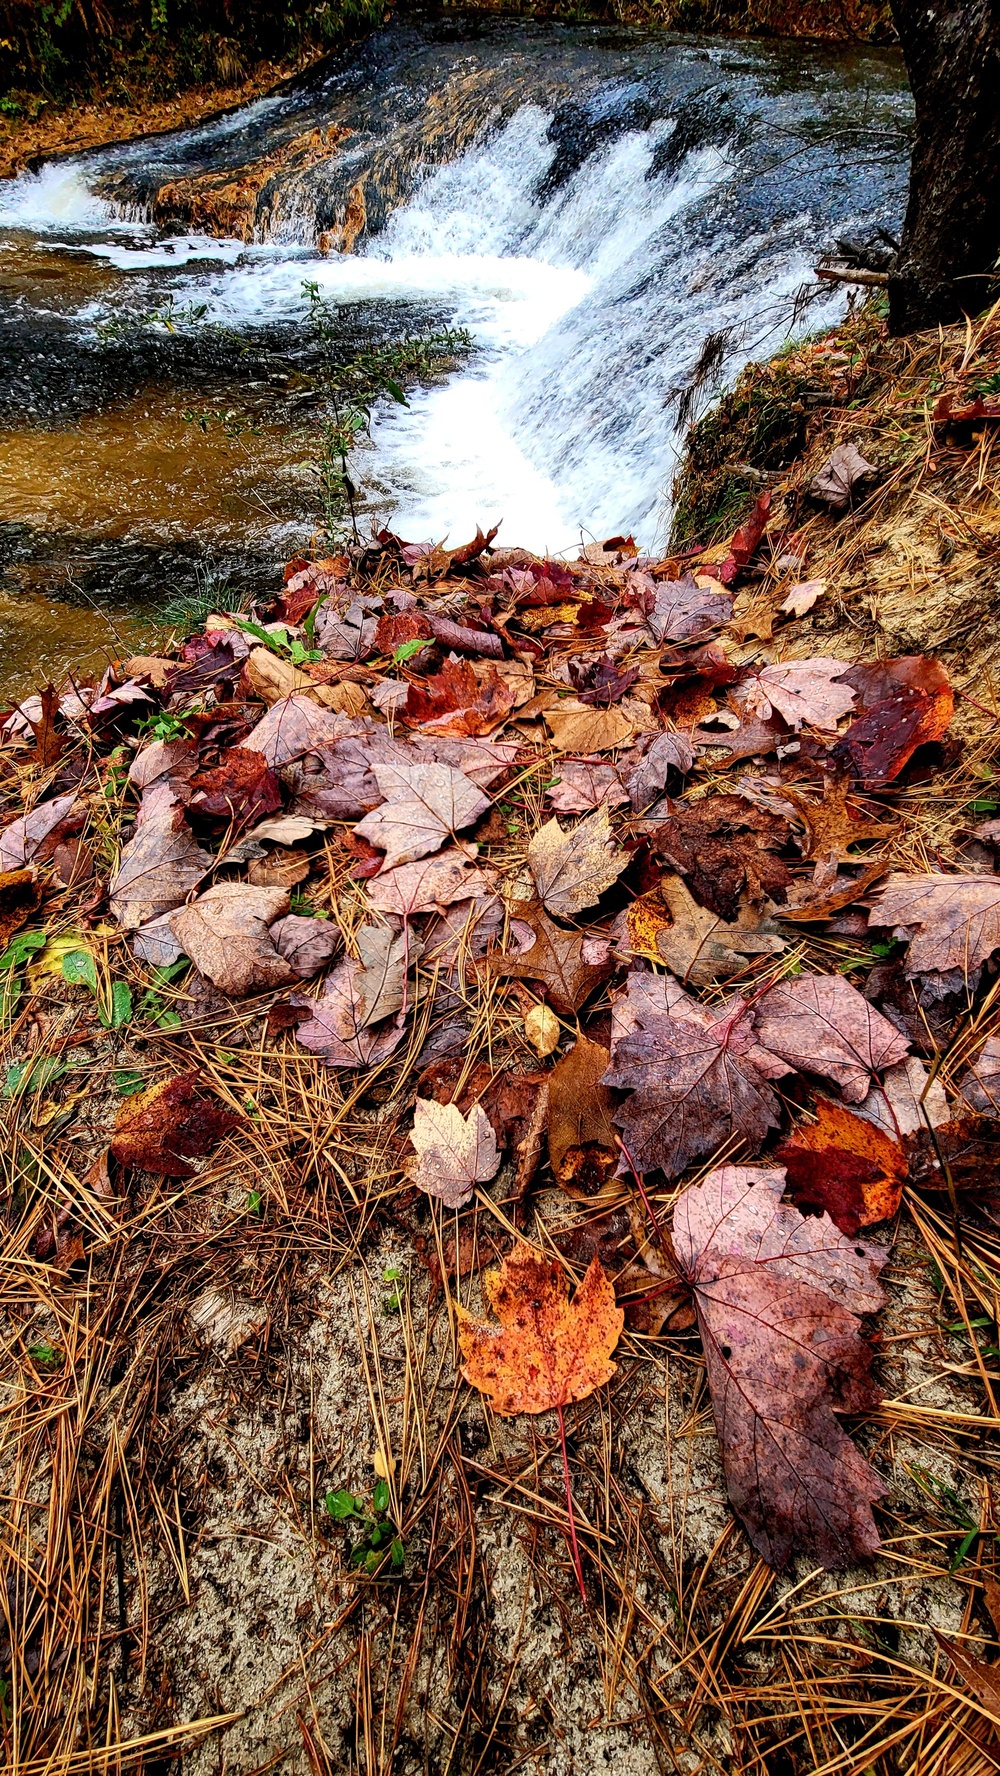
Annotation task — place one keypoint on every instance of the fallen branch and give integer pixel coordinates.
(837, 274)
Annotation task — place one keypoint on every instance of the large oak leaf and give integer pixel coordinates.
(778, 1295)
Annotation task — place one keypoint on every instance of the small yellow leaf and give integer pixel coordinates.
(541, 1026)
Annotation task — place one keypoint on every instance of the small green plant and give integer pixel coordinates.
(393, 1303)
(153, 1005)
(380, 1534)
(167, 725)
(254, 1202)
(47, 1355)
(33, 1076)
(127, 1082)
(278, 641)
(17, 953)
(950, 1506)
(80, 970)
(407, 649)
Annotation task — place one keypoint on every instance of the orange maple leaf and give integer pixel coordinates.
(547, 1350)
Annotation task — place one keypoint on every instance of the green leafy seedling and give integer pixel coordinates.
(254, 1201)
(128, 1082)
(407, 649)
(45, 1354)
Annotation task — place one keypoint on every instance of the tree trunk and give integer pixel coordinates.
(951, 236)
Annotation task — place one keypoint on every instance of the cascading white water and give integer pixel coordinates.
(590, 296)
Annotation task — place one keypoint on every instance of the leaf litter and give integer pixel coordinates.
(641, 953)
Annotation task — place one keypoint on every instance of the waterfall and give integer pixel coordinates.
(610, 202)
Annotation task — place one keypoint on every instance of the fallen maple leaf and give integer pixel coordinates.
(980, 1085)
(428, 884)
(724, 848)
(694, 1083)
(681, 609)
(836, 822)
(156, 871)
(460, 700)
(778, 1295)
(906, 703)
(171, 1122)
(699, 946)
(821, 1024)
(802, 597)
(802, 691)
(845, 1165)
(669, 752)
(576, 728)
(225, 933)
(907, 1100)
(241, 787)
(573, 869)
(953, 922)
(454, 1152)
(834, 483)
(385, 957)
(584, 784)
(337, 1030)
(556, 958)
(293, 726)
(425, 805)
(33, 837)
(746, 735)
(547, 1350)
(583, 1147)
(983, 1680)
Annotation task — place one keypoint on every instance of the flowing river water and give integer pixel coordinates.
(610, 213)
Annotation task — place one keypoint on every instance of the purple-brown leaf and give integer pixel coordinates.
(778, 1295)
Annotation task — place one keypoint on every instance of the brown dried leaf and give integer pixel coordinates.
(576, 728)
(573, 869)
(682, 609)
(555, 958)
(802, 691)
(171, 1122)
(547, 1350)
(583, 784)
(699, 946)
(695, 1081)
(454, 1152)
(307, 945)
(424, 806)
(337, 1029)
(225, 933)
(583, 1147)
(834, 483)
(821, 1024)
(293, 726)
(778, 1296)
(954, 920)
(906, 703)
(429, 884)
(157, 870)
(33, 837)
(723, 847)
(20, 896)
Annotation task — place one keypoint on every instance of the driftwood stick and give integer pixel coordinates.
(836, 275)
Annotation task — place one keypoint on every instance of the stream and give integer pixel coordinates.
(620, 219)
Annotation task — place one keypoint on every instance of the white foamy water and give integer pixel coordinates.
(589, 297)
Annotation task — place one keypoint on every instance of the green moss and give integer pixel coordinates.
(761, 425)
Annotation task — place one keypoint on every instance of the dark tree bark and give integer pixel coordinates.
(951, 236)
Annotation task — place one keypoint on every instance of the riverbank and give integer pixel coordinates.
(234, 1288)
